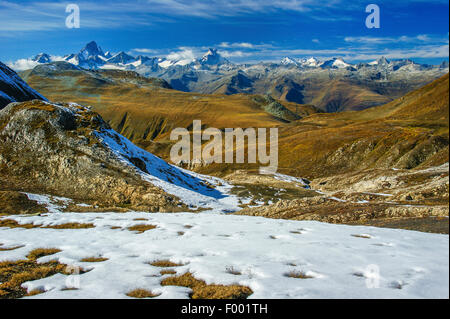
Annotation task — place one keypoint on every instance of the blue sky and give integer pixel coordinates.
(243, 31)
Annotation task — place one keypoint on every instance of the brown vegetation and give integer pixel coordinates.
(14, 273)
(200, 290)
(141, 228)
(142, 293)
(164, 264)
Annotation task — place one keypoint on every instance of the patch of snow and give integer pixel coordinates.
(190, 187)
(290, 179)
(263, 250)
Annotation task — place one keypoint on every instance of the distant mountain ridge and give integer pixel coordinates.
(332, 85)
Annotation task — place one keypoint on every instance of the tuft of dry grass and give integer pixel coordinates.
(141, 228)
(41, 252)
(71, 226)
(14, 273)
(13, 224)
(200, 290)
(11, 248)
(140, 219)
(233, 271)
(164, 264)
(298, 275)
(35, 292)
(188, 226)
(93, 259)
(142, 293)
(361, 236)
(167, 272)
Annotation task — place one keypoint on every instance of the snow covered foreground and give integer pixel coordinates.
(343, 260)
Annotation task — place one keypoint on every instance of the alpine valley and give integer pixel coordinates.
(86, 181)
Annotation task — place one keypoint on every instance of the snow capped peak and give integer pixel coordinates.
(91, 50)
(336, 63)
(212, 57)
(42, 58)
(211, 51)
(382, 61)
(311, 62)
(288, 61)
(122, 58)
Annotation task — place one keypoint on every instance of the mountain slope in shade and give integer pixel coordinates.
(14, 89)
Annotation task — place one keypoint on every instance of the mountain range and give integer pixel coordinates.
(331, 85)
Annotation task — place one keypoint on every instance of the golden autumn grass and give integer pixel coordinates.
(167, 272)
(93, 259)
(408, 129)
(298, 275)
(200, 290)
(164, 263)
(14, 273)
(142, 293)
(141, 228)
(14, 224)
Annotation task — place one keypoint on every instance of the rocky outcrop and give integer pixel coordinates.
(55, 149)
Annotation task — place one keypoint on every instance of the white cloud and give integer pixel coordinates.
(236, 45)
(145, 51)
(184, 55)
(400, 39)
(235, 54)
(22, 64)
(27, 64)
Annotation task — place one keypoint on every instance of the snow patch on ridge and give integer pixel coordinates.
(191, 188)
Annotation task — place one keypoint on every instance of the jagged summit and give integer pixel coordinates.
(122, 58)
(42, 58)
(212, 57)
(288, 61)
(91, 50)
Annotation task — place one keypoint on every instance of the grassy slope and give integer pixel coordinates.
(404, 133)
(146, 112)
(397, 133)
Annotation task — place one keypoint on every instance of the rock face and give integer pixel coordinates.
(56, 149)
(14, 89)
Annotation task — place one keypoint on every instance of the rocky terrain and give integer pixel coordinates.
(415, 199)
(53, 148)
